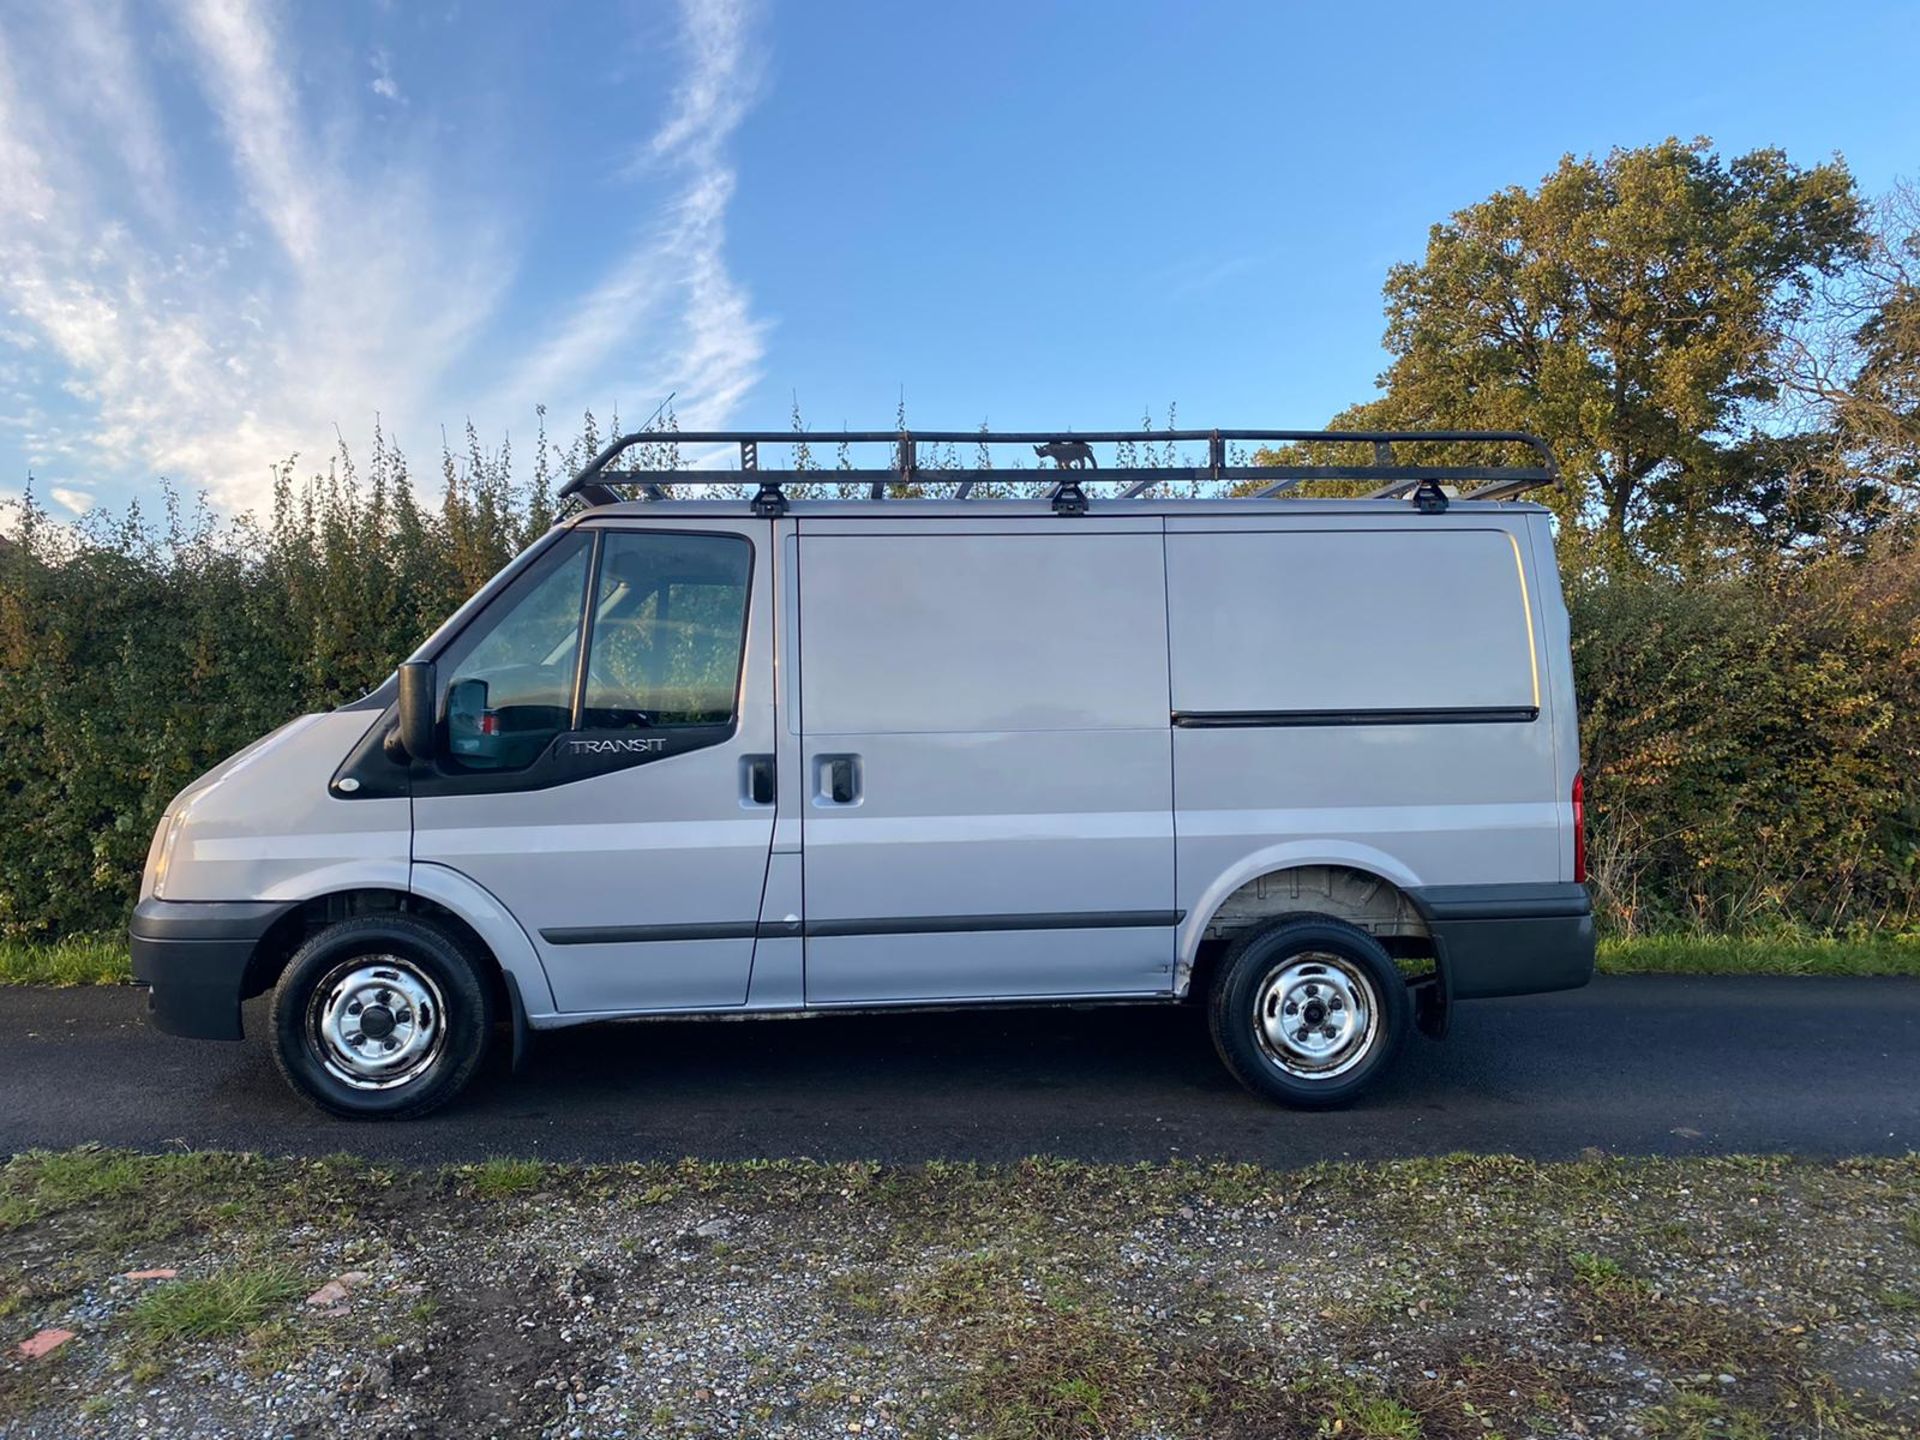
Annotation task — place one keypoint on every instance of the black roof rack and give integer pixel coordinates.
(1075, 464)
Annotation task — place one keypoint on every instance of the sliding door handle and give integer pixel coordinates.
(837, 779)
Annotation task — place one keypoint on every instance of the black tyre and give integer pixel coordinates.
(380, 1017)
(1308, 1011)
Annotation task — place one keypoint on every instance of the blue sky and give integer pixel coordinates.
(230, 229)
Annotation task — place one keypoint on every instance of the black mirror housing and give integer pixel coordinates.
(417, 720)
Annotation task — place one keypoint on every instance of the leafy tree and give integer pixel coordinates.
(1632, 310)
(1855, 362)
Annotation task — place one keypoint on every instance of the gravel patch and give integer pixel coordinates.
(1459, 1297)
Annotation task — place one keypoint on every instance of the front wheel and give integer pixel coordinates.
(1308, 1011)
(380, 1017)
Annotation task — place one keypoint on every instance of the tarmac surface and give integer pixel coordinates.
(1630, 1065)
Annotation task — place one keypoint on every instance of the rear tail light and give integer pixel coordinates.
(1580, 829)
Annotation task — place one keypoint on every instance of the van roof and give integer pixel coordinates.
(1432, 484)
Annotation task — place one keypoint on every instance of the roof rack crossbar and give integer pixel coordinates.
(595, 483)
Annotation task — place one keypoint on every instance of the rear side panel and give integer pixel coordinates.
(1371, 694)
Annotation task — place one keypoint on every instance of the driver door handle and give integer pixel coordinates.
(757, 780)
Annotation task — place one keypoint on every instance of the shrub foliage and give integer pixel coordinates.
(1750, 732)
(1750, 739)
(135, 651)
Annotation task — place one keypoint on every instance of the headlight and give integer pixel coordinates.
(161, 855)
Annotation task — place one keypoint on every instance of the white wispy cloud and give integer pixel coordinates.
(672, 286)
(208, 344)
(101, 74)
(383, 84)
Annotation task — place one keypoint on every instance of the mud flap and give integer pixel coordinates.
(517, 1023)
(1432, 1007)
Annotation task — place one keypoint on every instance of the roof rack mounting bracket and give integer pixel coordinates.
(769, 501)
(1069, 498)
(1429, 498)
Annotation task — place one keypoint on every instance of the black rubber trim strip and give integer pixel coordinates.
(900, 925)
(1545, 900)
(644, 934)
(963, 924)
(1282, 719)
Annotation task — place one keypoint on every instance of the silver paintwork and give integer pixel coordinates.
(1317, 1016)
(1004, 679)
(1411, 804)
(1348, 619)
(262, 825)
(377, 1022)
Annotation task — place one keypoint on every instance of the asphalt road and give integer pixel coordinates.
(1655, 1065)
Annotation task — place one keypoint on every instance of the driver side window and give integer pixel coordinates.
(665, 633)
(668, 627)
(511, 687)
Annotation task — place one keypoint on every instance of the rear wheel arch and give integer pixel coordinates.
(1351, 893)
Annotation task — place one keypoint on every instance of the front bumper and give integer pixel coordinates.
(194, 954)
(1492, 940)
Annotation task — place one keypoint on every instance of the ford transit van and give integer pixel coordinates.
(1310, 761)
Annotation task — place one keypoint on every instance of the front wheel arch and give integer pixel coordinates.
(306, 918)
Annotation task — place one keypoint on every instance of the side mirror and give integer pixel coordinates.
(416, 708)
(469, 732)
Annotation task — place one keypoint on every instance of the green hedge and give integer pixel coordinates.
(137, 651)
(1750, 740)
(1751, 735)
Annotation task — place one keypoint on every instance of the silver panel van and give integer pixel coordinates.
(1309, 762)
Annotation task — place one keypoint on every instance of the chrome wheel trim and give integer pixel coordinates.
(1316, 1016)
(376, 1022)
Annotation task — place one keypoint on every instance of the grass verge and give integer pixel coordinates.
(1760, 955)
(228, 1302)
(77, 960)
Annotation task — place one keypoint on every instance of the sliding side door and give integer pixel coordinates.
(985, 734)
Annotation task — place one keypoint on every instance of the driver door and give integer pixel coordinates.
(606, 742)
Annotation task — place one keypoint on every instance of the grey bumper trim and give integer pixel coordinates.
(193, 955)
(205, 919)
(1492, 940)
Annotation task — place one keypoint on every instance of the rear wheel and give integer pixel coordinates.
(380, 1017)
(1308, 1011)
